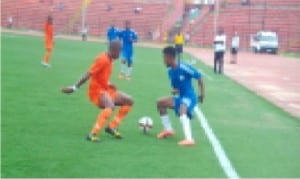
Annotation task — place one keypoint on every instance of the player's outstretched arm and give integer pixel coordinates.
(71, 89)
(202, 88)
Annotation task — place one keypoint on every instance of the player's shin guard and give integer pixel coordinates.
(102, 118)
(186, 127)
(123, 111)
(166, 122)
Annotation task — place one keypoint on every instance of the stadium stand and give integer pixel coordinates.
(157, 17)
(31, 14)
(272, 15)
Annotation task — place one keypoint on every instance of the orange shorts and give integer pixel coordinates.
(49, 47)
(96, 97)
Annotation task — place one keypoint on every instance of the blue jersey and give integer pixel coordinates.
(112, 34)
(128, 37)
(181, 79)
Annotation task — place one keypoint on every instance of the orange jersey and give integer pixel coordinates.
(100, 74)
(48, 35)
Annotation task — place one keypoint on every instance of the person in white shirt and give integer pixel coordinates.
(235, 43)
(220, 48)
(10, 22)
(84, 33)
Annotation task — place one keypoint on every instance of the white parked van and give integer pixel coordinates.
(264, 41)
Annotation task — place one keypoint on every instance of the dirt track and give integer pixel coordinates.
(273, 77)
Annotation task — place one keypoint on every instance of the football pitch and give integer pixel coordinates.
(43, 131)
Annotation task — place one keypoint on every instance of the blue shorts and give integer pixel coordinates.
(189, 101)
(127, 55)
(179, 48)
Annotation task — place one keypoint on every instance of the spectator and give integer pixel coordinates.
(84, 33)
(108, 7)
(137, 10)
(61, 6)
(10, 22)
(179, 41)
(235, 43)
(187, 37)
(150, 35)
(245, 2)
(220, 48)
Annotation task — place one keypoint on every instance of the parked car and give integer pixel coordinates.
(264, 41)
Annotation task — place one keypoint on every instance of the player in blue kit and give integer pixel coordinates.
(184, 99)
(112, 33)
(128, 37)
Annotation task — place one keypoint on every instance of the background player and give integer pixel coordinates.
(185, 98)
(128, 37)
(179, 41)
(112, 33)
(48, 41)
(103, 94)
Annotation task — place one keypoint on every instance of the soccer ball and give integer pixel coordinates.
(145, 124)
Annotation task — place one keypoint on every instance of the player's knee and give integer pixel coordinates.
(130, 102)
(183, 109)
(159, 103)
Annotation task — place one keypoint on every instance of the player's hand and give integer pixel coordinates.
(67, 90)
(175, 91)
(201, 98)
(112, 86)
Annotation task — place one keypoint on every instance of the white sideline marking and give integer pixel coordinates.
(219, 151)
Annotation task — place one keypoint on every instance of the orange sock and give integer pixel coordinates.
(47, 55)
(102, 118)
(120, 116)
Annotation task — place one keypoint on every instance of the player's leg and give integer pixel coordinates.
(235, 55)
(221, 63)
(232, 56)
(215, 61)
(125, 102)
(129, 69)
(180, 51)
(129, 59)
(47, 56)
(123, 64)
(107, 104)
(185, 121)
(162, 105)
(123, 68)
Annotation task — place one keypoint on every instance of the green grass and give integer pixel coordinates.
(292, 55)
(43, 131)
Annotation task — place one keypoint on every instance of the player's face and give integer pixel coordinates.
(50, 20)
(168, 60)
(127, 25)
(115, 53)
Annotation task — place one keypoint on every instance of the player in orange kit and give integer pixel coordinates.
(48, 41)
(103, 94)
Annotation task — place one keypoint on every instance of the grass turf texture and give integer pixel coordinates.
(43, 131)
(292, 55)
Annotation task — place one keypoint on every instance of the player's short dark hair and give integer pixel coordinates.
(170, 51)
(50, 18)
